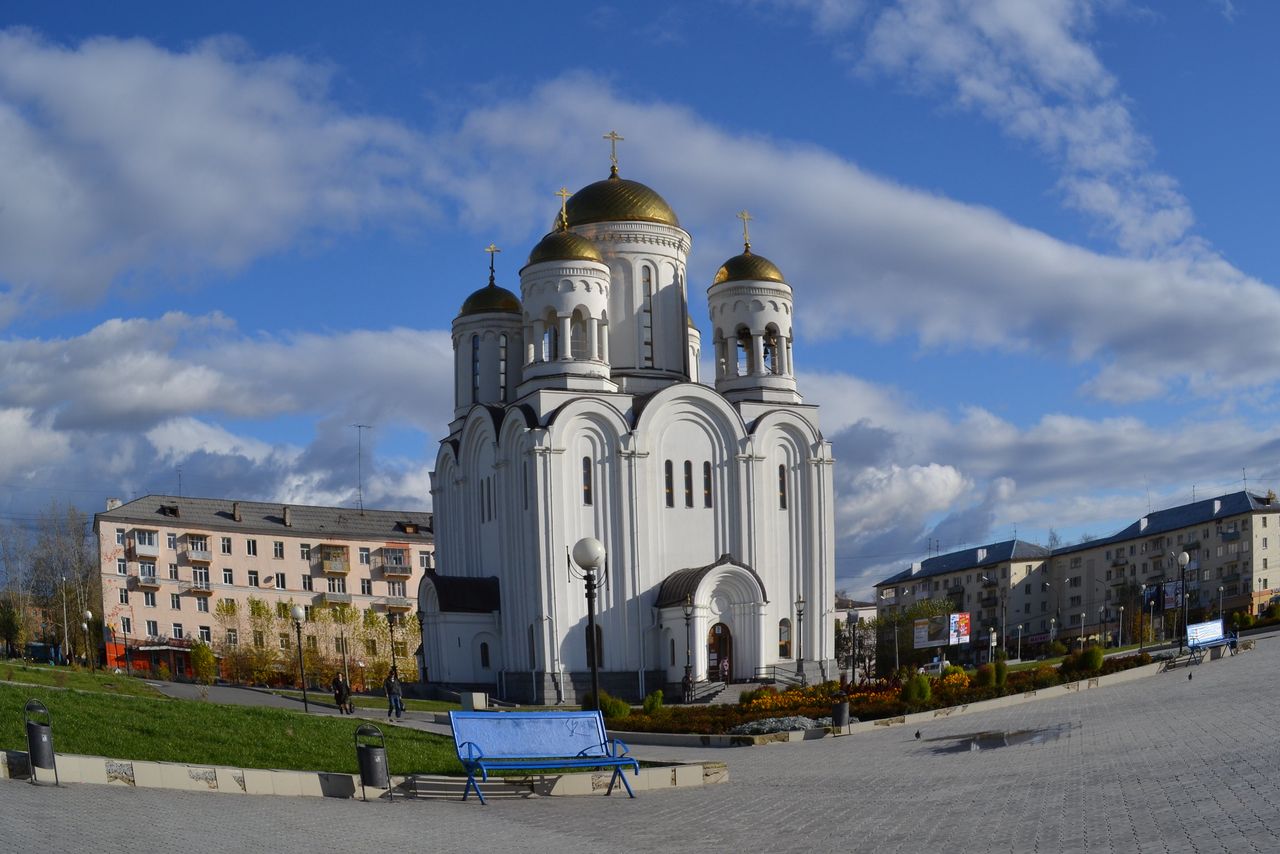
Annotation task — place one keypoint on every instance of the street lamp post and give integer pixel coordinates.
(1020, 625)
(88, 646)
(392, 619)
(1151, 620)
(360, 665)
(800, 639)
(991, 645)
(589, 554)
(1102, 626)
(688, 649)
(125, 631)
(1120, 637)
(1220, 614)
(851, 620)
(298, 613)
(66, 626)
(1053, 629)
(1183, 560)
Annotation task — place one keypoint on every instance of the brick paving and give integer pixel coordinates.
(1164, 764)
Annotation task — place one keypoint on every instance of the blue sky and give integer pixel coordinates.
(1029, 242)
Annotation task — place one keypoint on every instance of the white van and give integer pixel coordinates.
(933, 668)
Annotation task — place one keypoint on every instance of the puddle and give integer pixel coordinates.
(974, 742)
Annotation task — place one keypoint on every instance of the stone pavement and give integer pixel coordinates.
(1163, 764)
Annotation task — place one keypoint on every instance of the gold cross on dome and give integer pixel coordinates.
(493, 250)
(746, 234)
(564, 194)
(614, 139)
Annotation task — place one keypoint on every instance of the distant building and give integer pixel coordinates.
(177, 570)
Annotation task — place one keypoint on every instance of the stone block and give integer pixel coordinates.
(474, 701)
(308, 784)
(258, 782)
(286, 783)
(148, 775)
(230, 780)
(689, 775)
(89, 769)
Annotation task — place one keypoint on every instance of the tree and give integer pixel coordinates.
(204, 666)
(63, 572)
(10, 627)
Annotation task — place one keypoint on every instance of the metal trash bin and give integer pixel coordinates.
(40, 741)
(372, 760)
(840, 714)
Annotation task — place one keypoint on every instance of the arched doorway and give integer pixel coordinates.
(719, 653)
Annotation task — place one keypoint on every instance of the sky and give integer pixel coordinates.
(1031, 243)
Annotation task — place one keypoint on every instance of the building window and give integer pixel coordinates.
(277, 549)
(312, 643)
(669, 474)
(175, 601)
(673, 652)
(502, 368)
(279, 580)
(587, 497)
(706, 484)
(475, 368)
(370, 647)
(484, 656)
(304, 551)
(646, 317)
(126, 625)
(148, 599)
(284, 640)
(282, 610)
(206, 636)
(173, 571)
(784, 638)
(233, 637)
(124, 596)
(177, 632)
(337, 584)
(306, 583)
(688, 483)
(251, 548)
(122, 566)
(153, 629)
(782, 487)
(253, 578)
(227, 576)
(364, 556)
(119, 536)
(395, 588)
(226, 545)
(202, 604)
(424, 560)
(366, 587)
(171, 540)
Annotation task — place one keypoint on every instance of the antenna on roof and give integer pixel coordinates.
(360, 428)
(179, 481)
(1193, 493)
(1244, 475)
(1146, 483)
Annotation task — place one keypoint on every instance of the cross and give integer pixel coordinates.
(563, 193)
(746, 235)
(614, 139)
(493, 251)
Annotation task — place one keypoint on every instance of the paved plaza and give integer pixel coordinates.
(1163, 764)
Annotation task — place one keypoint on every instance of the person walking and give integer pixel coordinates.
(342, 695)
(395, 695)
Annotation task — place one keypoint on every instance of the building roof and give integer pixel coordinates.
(1183, 516)
(466, 595)
(974, 558)
(256, 517)
(684, 582)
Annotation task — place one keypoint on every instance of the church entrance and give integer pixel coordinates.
(719, 653)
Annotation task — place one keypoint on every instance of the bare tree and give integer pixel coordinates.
(63, 571)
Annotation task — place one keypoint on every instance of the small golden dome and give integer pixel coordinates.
(748, 268)
(618, 200)
(491, 298)
(564, 246)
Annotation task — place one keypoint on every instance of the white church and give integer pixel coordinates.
(578, 412)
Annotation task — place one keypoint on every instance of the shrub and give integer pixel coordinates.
(162, 672)
(952, 669)
(1002, 673)
(1090, 659)
(749, 697)
(204, 667)
(653, 703)
(611, 706)
(917, 690)
(985, 676)
(1057, 648)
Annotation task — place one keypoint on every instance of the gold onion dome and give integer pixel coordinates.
(748, 267)
(564, 246)
(491, 298)
(618, 200)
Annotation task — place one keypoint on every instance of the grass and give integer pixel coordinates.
(363, 701)
(70, 677)
(164, 730)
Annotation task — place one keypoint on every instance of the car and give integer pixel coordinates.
(933, 668)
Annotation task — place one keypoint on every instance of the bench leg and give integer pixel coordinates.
(618, 774)
(472, 784)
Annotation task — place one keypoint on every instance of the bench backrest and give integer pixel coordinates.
(1198, 633)
(530, 734)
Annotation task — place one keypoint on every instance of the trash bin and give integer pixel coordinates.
(40, 741)
(840, 714)
(372, 760)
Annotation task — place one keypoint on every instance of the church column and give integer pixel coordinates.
(783, 364)
(566, 337)
(757, 354)
(539, 334)
(593, 341)
(604, 342)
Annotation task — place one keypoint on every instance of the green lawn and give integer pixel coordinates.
(367, 702)
(68, 677)
(132, 727)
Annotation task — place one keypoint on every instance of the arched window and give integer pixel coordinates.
(782, 487)
(688, 483)
(742, 358)
(646, 317)
(673, 652)
(586, 481)
(502, 368)
(669, 473)
(592, 647)
(484, 656)
(784, 638)
(771, 363)
(533, 649)
(578, 336)
(706, 484)
(475, 368)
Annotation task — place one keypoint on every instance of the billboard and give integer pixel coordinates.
(942, 630)
(1172, 594)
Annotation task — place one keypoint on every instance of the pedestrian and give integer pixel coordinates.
(395, 695)
(342, 694)
(724, 669)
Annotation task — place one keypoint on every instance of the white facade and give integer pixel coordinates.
(721, 495)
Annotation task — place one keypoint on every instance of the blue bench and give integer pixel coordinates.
(493, 741)
(1202, 637)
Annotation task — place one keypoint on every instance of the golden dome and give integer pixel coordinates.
(491, 298)
(748, 268)
(564, 246)
(618, 200)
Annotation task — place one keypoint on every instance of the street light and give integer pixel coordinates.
(1004, 630)
(1053, 629)
(688, 649)
(851, 621)
(298, 614)
(1183, 560)
(1102, 626)
(1219, 602)
(125, 631)
(392, 619)
(800, 638)
(991, 645)
(1020, 625)
(589, 554)
(1120, 637)
(88, 647)
(360, 664)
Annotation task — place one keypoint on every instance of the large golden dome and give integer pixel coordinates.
(618, 200)
(748, 267)
(564, 246)
(491, 298)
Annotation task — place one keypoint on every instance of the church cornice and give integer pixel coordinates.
(651, 233)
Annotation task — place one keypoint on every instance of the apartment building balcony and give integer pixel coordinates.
(397, 570)
(198, 588)
(396, 604)
(325, 597)
(199, 555)
(149, 581)
(139, 551)
(989, 601)
(335, 565)
(955, 590)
